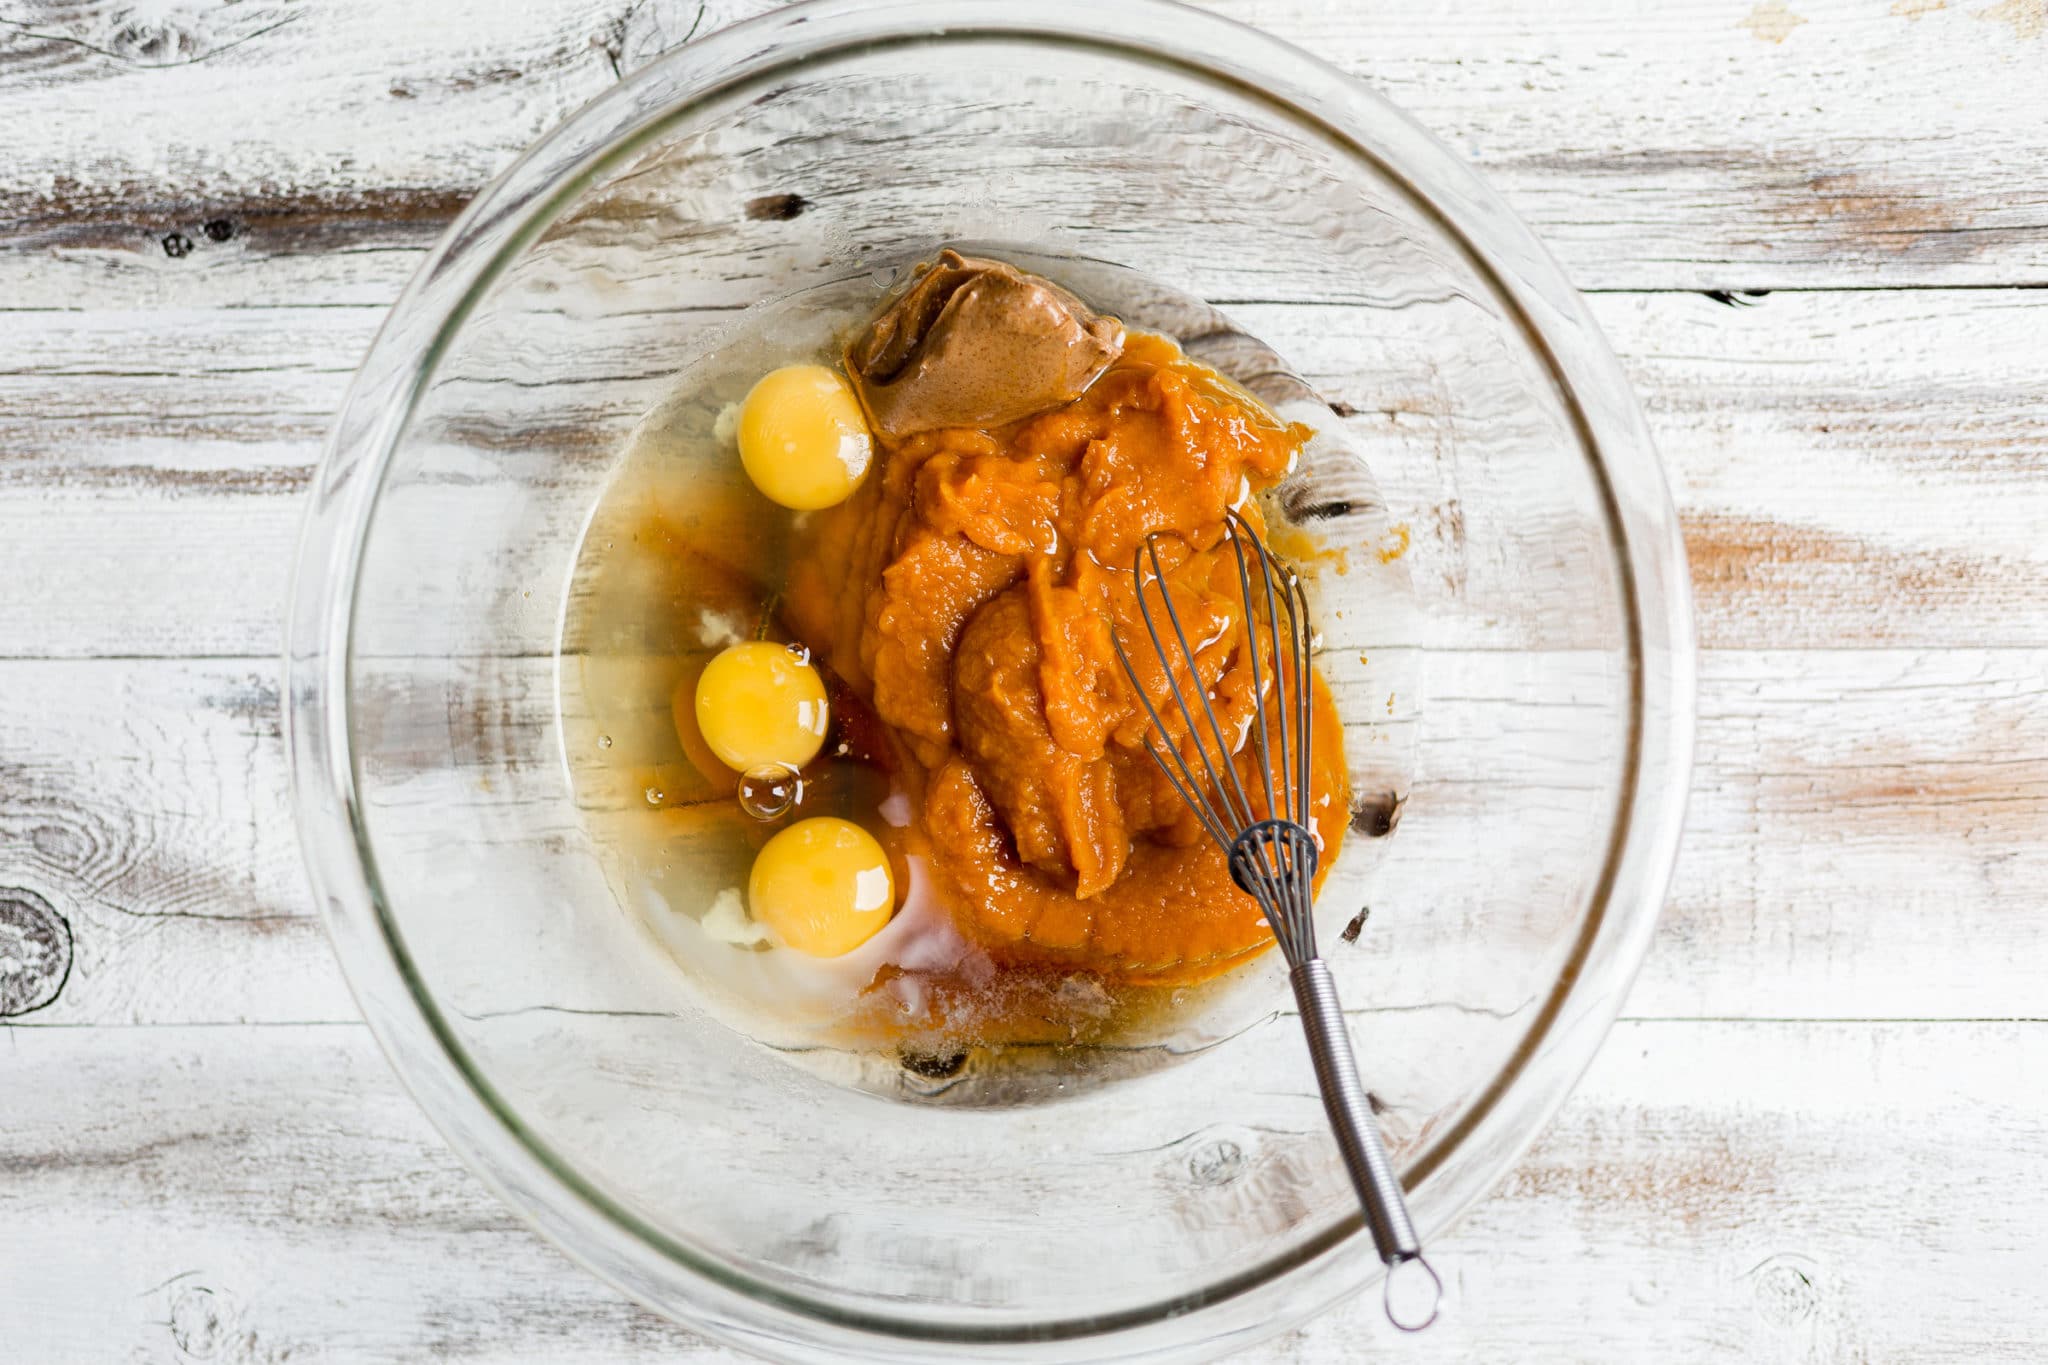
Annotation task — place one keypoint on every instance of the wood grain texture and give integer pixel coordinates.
(146, 804)
(1864, 826)
(1815, 1138)
(1852, 468)
(1675, 147)
(268, 1194)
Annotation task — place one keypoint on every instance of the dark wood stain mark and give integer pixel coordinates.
(1736, 557)
(218, 229)
(477, 80)
(264, 480)
(932, 1066)
(1733, 552)
(452, 1328)
(281, 221)
(1927, 797)
(1299, 504)
(1761, 583)
(1852, 210)
(1716, 1182)
(1857, 210)
(199, 1161)
(124, 1159)
(1378, 816)
(35, 952)
(777, 207)
(565, 439)
(319, 220)
(1357, 925)
(211, 887)
(1633, 162)
(1343, 409)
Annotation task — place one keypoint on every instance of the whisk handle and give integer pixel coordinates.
(1351, 1117)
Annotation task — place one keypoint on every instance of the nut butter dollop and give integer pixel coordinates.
(977, 343)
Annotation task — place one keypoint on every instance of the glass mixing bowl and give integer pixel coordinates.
(1523, 582)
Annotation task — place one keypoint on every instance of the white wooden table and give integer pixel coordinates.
(1817, 232)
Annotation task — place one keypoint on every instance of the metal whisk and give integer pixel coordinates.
(1272, 850)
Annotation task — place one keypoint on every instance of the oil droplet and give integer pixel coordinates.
(654, 796)
(768, 790)
(604, 741)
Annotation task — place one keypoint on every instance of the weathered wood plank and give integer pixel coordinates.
(259, 1194)
(1864, 838)
(148, 805)
(1851, 468)
(1757, 1192)
(342, 170)
(1864, 834)
(204, 210)
(264, 1191)
(1689, 146)
(1729, 144)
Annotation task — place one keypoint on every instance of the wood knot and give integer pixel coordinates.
(777, 208)
(196, 1326)
(35, 952)
(1786, 1292)
(177, 245)
(1216, 1163)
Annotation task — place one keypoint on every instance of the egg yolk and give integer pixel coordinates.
(802, 437)
(822, 886)
(760, 703)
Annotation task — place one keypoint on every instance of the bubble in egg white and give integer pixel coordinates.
(768, 790)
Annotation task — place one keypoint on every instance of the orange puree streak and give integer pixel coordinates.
(967, 592)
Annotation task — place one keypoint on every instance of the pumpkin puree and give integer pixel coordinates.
(966, 592)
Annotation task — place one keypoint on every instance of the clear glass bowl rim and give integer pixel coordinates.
(507, 215)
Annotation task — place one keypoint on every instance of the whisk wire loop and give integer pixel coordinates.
(1244, 584)
(1241, 813)
(1177, 772)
